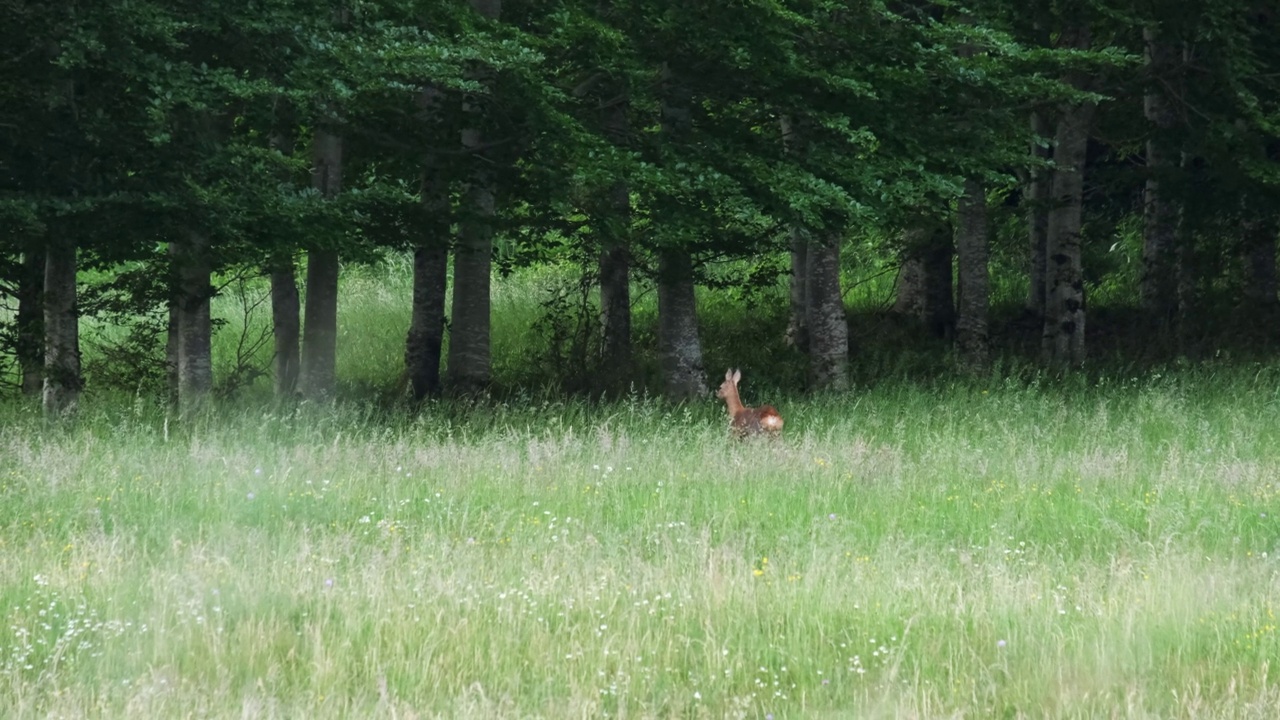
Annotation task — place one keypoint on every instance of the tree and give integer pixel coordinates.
(29, 323)
(925, 288)
(194, 269)
(430, 277)
(972, 253)
(1158, 282)
(615, 258)
(825, 318)
(1064, 320)
(285, 326)
(430, 267)
(320, 323)
(1038, 185)
(469, 351)
(678, 343)
(62, 380)
(798, 246)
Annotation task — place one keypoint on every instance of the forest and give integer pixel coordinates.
(357, 359)
(1029, 183)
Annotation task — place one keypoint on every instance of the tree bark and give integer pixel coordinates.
(470, 360)
(678, 343)
(469, 349)
(1158, 283)
(1038, 187)
(62, 380)
(30, 321)
(317, 373)
(615, 267)
(1185, 257)
(425, 342)
(317, 376)
(1064, 321)
(972, 259)
(825, 317)
(1185, 249)
(426, 327)
(797, 333)
(1260, 261)
(798, 286)
(615, 310)
(171, 337)
(924, 281)
(285, 324)
(195, 331)
(679, 346)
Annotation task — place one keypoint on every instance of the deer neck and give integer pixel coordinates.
(733, 401)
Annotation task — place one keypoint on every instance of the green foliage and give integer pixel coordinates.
(124, 126)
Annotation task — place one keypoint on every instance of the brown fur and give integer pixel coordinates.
(745, 421)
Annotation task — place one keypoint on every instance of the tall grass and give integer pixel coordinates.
(1010, 546)
(958, 549)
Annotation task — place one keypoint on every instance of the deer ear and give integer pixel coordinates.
(728, 374)
(737, 375)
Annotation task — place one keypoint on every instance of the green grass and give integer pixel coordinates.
(1015, 546)
(954, 550)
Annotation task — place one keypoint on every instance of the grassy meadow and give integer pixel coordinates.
(978, 548)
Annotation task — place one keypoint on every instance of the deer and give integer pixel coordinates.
(745, 421)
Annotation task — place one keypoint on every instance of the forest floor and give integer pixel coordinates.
(1011, 550)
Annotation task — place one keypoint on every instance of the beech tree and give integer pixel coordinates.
(657, 146)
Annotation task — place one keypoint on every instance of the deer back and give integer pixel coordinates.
(755, 421)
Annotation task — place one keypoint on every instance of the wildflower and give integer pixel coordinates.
(1000, 643)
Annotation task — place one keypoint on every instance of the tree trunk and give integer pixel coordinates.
(423, 346)
(29, 322)
(62, 380)
(825, 317)
(679, 346)
(1158, 284)
(1185, 250)
(470, 359)
(678, 343)
(1064, 321)
(171, 337)
(797, 319)
(972, 253)
(469, 349)
(195, 331)
(615, 311)
(1260, 261)
(1038, 187)
(317, 376)
(1185, 257)
(924, 281)
(285, 324)
(426, 327)
(615, 268)
(317, 373)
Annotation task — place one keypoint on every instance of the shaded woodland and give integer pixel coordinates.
(150, 150)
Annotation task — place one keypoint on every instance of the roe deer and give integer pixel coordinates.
(745, 421)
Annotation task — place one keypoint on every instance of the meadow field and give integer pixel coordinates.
(959, 551)
(1101, 546)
